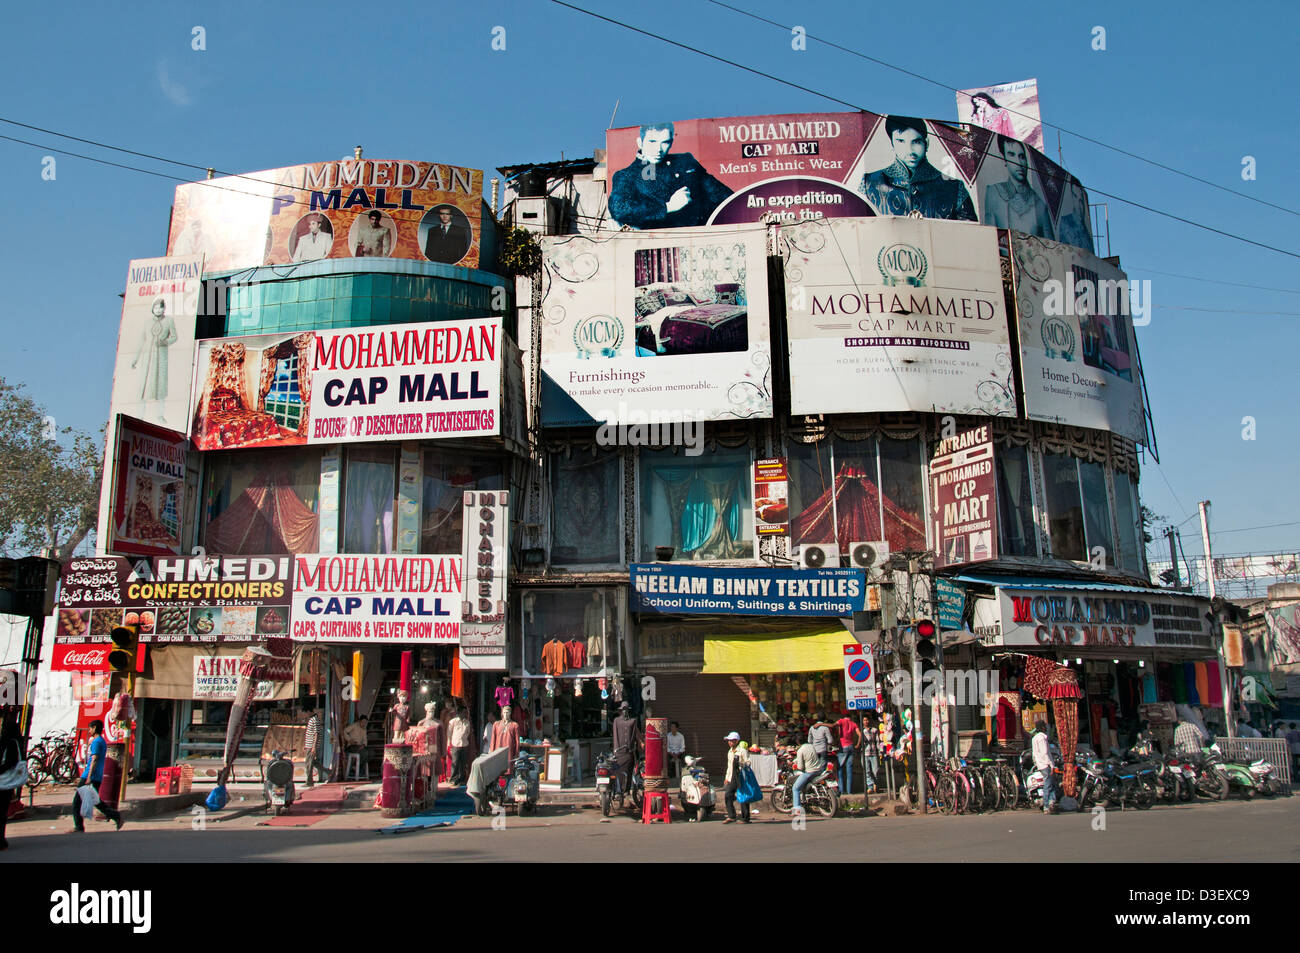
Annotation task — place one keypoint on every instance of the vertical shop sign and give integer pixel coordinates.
(963, 488)
(485, 529)
(771, 497)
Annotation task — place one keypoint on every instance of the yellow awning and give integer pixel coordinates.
(818, 648)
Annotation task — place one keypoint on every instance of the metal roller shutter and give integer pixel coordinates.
(706, 707)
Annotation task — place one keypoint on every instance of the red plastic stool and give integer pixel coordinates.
(651, 811)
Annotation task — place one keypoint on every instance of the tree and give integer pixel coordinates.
(1149, 518)
(49, 480)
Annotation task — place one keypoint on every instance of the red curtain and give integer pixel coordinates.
(856, 514)
(266, 519)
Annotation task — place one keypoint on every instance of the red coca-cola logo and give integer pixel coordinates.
(81, 658)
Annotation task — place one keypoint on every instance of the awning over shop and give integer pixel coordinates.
(1044, 582)
(816, 648)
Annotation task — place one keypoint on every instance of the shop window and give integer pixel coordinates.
(700, 506)
(446, 475)
(586, 510)
(167, 514)
(283, 402)
(569, 632)
(1016, 535)
(261, 502)
(369, 494)
(877, 494)
(1126, 515)
(1096, 512)
(1064, 506)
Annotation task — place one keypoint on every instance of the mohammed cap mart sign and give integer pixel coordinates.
(1092, 618)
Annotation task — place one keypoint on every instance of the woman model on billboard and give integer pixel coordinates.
(987, 114)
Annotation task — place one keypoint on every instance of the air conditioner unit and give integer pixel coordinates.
(870, 555)
(819, 556)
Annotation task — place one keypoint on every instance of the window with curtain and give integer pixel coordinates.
(1096, 511)
(586, 510)
(1126, 515)
(370, 490)
(1016, 535)
(261, 502)
(877, 493)
(445, 475)
(902, 495)
(700, 506)
(283, 401)
(1064, 506)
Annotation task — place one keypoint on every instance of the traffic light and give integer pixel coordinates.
(121, 659)
(925, 632)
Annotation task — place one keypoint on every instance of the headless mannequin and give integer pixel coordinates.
(505, 733)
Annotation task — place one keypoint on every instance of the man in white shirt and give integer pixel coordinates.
(809, 764)
(372, 239)
(676, 748)
(460, 733)
(315, 243)
(1042, 750)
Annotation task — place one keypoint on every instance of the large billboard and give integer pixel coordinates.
(793, 168)
(395, 382)
(1079, 354)
(148, 490)
(155, 344)
(377, 599)
(349, 208)
(1008, 108)
(896, 314)
(202, 599)
(656, 327)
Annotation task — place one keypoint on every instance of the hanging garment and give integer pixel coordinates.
(555, 658)
(595, 646)
(1189, 679)
(1149, 689)
(1215, 686)
(576, 650)
(504, 695)
(1008, 716)
(1179, 681)
(1038, 672)
(1202, 682)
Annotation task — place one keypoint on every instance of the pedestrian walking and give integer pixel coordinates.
(850, 738)
(459, 736)
(1043, 762)
(311, 743)
(93, 775)
(737, 758)
(11, 754)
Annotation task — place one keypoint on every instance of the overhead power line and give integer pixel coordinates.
(855, 106)
(1050, 125)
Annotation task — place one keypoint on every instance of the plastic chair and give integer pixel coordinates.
(358, 767)
(657, 805)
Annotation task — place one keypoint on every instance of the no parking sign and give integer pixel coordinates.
(859, 678)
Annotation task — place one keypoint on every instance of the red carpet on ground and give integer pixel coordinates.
(311, 805)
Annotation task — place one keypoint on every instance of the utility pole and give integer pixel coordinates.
(1225, 686)
(1173, 557)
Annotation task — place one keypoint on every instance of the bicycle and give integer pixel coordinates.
(53, 759)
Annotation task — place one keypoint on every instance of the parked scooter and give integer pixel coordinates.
(277, 783)
(697, 791)
(523, 786)
(1266, 777)
(1240, 778)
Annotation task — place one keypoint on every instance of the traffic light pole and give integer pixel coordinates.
(918, 725)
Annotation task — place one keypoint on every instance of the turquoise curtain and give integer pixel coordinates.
(706, 505)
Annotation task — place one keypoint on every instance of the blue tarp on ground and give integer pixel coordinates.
(451, 807)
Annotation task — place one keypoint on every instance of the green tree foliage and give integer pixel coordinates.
(49, 480)
(520, 254)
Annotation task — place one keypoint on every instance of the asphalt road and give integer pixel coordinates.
(1233, 831)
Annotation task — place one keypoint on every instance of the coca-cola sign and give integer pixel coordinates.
(81, 658)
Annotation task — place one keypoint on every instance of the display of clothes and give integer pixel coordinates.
(559, 656)
(503, 695)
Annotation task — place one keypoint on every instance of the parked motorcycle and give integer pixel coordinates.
(524, 783)
(1266, 777)
(612, 786)
(1132, 783)
(277, 783)
(696, 791)
(1240, 778)
(821, 794)
(1211, 777)
(1094, 781)
(1185, 773)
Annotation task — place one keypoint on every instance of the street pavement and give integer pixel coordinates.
(1232, 831)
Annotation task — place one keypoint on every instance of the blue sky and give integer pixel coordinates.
(296, 82)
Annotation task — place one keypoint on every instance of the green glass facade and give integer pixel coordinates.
(336, 294)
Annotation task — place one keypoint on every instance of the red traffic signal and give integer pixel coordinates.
(925, 629)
